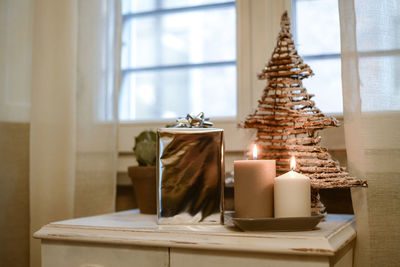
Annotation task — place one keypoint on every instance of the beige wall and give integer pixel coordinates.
(14, 194)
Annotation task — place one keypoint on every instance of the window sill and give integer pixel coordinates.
(235, 139)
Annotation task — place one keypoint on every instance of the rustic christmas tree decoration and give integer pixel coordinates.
(287, 120)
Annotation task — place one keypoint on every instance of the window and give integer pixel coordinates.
(256, 24)
(317, 37)
(178, 57)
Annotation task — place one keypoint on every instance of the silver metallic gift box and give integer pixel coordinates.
(190, 175)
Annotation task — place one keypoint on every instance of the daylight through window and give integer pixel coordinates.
(317, 37)
(178, 57)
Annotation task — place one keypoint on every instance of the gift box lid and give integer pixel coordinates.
(174, 130)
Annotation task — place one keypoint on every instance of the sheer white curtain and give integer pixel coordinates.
(75, 82)
(16, 18)
(370, 38)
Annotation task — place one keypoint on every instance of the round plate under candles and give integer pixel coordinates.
(278, 224)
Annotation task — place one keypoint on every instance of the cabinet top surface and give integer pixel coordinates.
(133, 228)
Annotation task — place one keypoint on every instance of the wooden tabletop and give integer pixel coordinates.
(133, 228)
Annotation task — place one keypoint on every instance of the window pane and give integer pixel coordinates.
(185, 3)
(326, 84)
(317, 27)
(180, 38)
(382, 90)
(317, 31)
(131, 6)
(380, 31)
(174, 93)
(139, 43)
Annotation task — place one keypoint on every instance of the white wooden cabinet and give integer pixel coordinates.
(132, 239)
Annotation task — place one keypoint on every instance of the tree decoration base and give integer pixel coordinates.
(317, 207)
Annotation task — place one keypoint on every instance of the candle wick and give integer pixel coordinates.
(292, 163)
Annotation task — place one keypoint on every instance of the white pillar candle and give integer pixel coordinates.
(292, 195)
(254, 181)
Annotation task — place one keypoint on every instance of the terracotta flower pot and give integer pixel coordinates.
(144, 183)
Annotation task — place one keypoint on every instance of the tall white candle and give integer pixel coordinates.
(254, 181)
(292, 194)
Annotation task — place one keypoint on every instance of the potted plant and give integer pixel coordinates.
(144, 176)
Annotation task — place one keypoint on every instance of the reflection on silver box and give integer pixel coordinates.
(190, 175)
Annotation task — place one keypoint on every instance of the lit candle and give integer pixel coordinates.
(254, 181)
(292, 194)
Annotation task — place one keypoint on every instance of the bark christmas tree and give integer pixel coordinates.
(287, 120)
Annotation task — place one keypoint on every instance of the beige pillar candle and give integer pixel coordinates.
(254, 181)
(292, 194)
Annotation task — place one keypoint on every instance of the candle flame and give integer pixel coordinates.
(292, 163)
(254, 152)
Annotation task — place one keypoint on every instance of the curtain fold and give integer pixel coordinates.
(370, 46)
(16, 19)
(53, 121)
(98, 45)
(73, 137)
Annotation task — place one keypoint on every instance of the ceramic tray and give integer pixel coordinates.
(278, 224)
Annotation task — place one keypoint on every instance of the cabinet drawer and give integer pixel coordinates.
(208, 258)
(71, 254)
